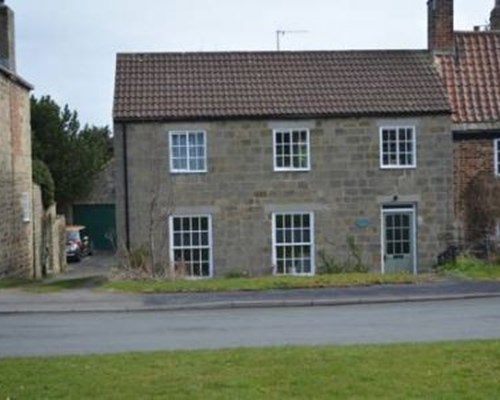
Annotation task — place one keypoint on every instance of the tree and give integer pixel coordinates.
(73, 155)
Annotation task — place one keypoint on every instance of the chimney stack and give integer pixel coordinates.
(7, 40)
(495, 17)
(440, 26)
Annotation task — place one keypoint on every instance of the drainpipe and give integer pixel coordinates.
(125, 178)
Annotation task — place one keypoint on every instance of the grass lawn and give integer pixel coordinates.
(455, 370)
(49, 286)
(263, 283)
(472, 268)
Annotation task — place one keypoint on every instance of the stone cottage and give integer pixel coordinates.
(16, 221)
(469, 63)
(273, 162)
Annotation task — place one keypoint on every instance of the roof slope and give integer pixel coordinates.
(472, 77)
(164, 86)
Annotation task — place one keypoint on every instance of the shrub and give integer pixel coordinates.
(353, 263)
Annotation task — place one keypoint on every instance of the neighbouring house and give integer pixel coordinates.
(469, 63)
(32, 239)
(283, 162)
(16, 188)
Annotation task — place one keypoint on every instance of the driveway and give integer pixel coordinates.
(98, 264)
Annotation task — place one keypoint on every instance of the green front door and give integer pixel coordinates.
(100, 222)
(398, 239)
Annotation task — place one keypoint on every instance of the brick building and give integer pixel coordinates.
(16, 220)
(469, 63)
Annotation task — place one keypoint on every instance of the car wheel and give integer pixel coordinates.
(78, 257)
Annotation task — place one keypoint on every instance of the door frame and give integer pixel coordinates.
(393, 208)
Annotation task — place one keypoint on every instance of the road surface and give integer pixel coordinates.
(83, 333)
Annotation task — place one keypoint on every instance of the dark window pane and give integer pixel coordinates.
(306, 220)
(177, 239)
(280, 267)
(390, 248)
(397, 248)
(297, 221)
(204, 224)
(195, 224)
(205, 269)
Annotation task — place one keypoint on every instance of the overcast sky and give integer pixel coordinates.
(67, 48)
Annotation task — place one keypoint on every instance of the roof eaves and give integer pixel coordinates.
(16, 78)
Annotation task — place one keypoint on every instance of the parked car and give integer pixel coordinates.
(78, 243)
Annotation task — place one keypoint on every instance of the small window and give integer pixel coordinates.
(496, 146)
(26, 207)
(293, 243)
(188, 151)
(191, 245)
(397, 147)
(291, 150)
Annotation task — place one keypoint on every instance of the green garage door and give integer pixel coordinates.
(100, 222)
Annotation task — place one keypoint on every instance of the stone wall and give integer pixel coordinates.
(49, 238)
(241, 190)
(16, 230)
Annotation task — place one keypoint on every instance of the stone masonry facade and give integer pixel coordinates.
(16, 231)
(241, 190)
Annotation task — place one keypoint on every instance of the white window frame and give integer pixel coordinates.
(186, 133)
(275, 154)
(311, 243)
(496, 156)
(209, 247)
(413, 165)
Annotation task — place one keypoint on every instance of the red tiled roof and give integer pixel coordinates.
(164, 86)
(472, 77)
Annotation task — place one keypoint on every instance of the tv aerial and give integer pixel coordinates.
(280, 33)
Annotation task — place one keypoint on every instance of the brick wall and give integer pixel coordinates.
(16, 235)
(440, 25)
(472, 157)
(241, 190)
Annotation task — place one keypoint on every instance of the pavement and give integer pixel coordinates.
(14, 301)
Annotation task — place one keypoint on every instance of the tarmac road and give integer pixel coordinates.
(83, 333)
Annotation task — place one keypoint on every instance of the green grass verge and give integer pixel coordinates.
(472, 268)
(262, 283)
(50, 286)
(457, 370)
